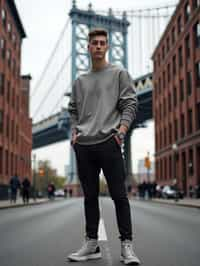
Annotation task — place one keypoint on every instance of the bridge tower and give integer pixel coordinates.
(82, 22)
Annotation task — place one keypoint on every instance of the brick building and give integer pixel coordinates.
(176, 98)
(15, 124)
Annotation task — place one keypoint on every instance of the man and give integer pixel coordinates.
(14, 186)
(102, 108)
(26, 190)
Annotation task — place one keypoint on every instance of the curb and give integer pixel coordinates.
(171, 203)
(18, 205)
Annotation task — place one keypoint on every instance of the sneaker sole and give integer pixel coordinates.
(129, 262)
(84, 258)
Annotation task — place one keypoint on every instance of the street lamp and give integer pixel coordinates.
(34, 178)
(175, 149)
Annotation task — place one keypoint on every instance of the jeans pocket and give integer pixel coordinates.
(116, 142)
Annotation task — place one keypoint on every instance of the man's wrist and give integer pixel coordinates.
(121, 136)
(123, 129)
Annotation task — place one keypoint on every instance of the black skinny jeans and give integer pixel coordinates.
(90, 160)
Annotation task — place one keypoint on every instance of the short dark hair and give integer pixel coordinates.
(97, 32)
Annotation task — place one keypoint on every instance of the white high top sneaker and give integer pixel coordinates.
(128, 256)
(89, 251)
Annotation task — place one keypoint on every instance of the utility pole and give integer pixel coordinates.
(34, 177)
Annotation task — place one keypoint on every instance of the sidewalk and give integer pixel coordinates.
(186, 202)
(4, 204)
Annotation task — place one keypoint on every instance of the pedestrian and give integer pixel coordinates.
(65, 192)
(26, 190)
(51, 190)
(14, 186)
(102, 107)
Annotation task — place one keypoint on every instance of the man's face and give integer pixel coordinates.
(98, 47)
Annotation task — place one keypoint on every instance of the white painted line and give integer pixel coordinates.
(102, 231)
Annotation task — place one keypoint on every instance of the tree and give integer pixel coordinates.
(45, 174)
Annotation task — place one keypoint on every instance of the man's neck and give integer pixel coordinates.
(98, 65)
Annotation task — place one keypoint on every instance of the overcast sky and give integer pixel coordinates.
(43, 21)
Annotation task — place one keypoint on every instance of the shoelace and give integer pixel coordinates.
(84, 246)
(129, 250)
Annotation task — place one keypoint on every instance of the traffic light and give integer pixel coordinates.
(41, 171)
(147, 162)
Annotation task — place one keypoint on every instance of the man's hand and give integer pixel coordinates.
(74, 137)
(119, 137)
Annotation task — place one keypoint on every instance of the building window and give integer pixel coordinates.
(13, 98)
(160, 112)
(2, 48)
(187, 12)
(1, 160)
(164, 107)
(165, 136)
(174, 65)
(2, 83)
(170, 166)
(164, 80)
(6, 162)
(175, 129)
(8, 56)
(161, 139)
(9, 28)
(3, 17)
(196, 3)
(179, 26)
(8, 91)
(173, 35)
(175, 96)
(1, 121)
(189, 83)
(169, 102)
(182, 125)
(189, 121)
(12, 130)
(181, 90)
(163, 52)
(180, 56)
(170, 133)
(168, 72)
(198, 74)
(159, 85)
(190, 163)
(198, 115)
(158, 59)
(17, 134)
(7, 126)
(196, 31)
(187, 47)
(168, 44)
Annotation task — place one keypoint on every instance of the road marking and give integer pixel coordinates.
(102, 231)
(102, 236)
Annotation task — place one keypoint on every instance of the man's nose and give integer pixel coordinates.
(98, 45)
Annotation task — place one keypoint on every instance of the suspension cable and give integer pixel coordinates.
(134, 12)
(52, 85)
(50, 58)
(59, 100)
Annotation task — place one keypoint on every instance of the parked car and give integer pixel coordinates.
(168, 192)
(59, 193)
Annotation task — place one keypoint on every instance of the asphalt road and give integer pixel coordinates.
(45, 234)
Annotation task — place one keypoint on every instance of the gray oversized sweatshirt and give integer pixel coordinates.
(100, 102)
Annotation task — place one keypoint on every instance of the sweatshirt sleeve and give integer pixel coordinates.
(72, 107)
(127, 103)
